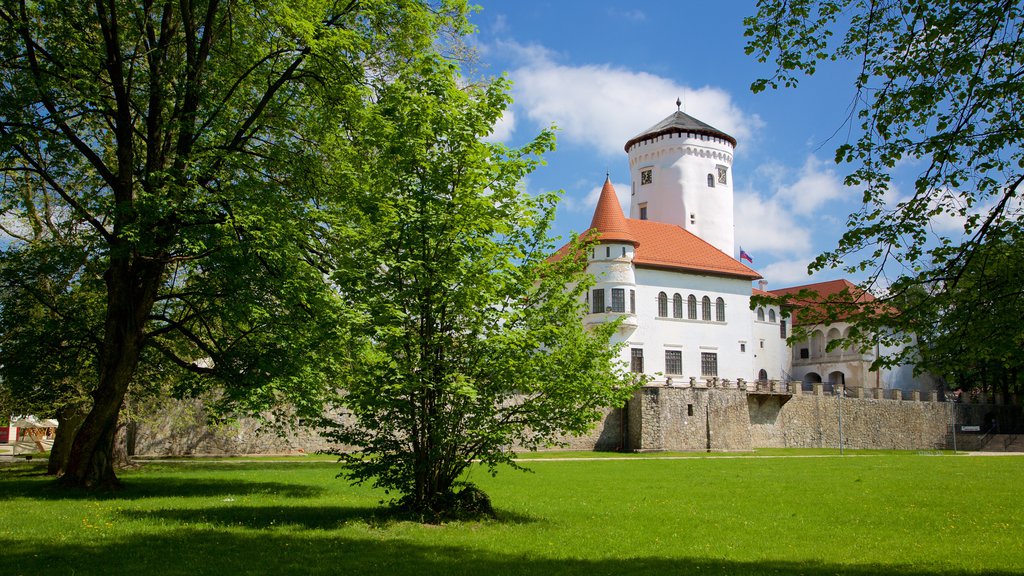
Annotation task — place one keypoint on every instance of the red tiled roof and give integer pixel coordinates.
(826, 289)
(609, 221)
(813, 309)
(658, 245)
(669, 246)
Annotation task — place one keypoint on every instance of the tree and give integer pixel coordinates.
(183, 136)
(975, 336)
(472, 344)
(939, 87)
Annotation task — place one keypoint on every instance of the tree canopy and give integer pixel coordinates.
(183, 142)
(472, 344)
(938, 91)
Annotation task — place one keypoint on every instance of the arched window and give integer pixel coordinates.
(817, 344)
(711, 180)
(720, 310)
(762, 375)
(705, 311)
(677, 306)
(692, 305)
(771, 316)
(833, 334)
(662, 304)
(760, 314)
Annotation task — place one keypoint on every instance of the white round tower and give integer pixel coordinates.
(681, 169)
(610, 261)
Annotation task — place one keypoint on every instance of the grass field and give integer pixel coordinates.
(863, 514)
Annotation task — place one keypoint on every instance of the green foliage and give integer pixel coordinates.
(181, 147)
(973, 336)
(938, 90)
(471, 342)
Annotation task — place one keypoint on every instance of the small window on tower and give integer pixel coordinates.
(723, 172)
(646, 176)
(643, 211)
(711, 180)
(693, 218)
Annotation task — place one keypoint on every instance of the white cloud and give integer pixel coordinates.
(786, 273)
(816, 185)
(602, 105)
(587, 202)
(503, 128)
(629, 15)
(784, 216)
(766, 225)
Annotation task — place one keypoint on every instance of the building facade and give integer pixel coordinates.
(669, 273)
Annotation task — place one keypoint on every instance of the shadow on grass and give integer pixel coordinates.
(306, 517)
(32, 482)
(200, 551)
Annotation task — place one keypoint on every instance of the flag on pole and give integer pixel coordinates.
(745, 256)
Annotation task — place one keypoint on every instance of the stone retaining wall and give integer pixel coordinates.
(699, 417)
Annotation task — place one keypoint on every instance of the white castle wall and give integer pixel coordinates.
(679, 192)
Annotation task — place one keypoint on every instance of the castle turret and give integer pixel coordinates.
(611, 263)
(681, 173)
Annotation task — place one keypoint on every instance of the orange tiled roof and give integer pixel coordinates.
(658, 245)
(609, 221)
(671, 247)
(826, 289)
(812, 310)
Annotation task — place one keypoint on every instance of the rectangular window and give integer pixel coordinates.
(782, 329)
(743, 347)
(689, 409)
(598, 300)
(636, 360)
(709, 364)
(643, 211)
(646, 176)
(673, 361)
(632, 301)
(618, 300)
(805, 353)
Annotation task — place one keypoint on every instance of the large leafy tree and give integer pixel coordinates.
(938, 91)
(975, 335)
(472, 343)
(184, 137)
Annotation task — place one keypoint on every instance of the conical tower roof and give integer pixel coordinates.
(679, 123)
(609, 221)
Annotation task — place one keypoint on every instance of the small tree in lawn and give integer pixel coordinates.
(471, 344)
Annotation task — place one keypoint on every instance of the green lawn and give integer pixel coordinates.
(864, 514)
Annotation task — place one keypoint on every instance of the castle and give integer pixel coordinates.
(669, 273)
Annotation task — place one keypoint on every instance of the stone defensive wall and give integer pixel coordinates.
(724, 416)
(698, 416)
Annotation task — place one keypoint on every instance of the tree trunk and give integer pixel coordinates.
(131, 292)
(70, 418)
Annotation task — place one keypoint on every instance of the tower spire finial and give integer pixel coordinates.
(679, 104)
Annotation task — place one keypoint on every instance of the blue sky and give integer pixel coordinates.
(605, 71)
